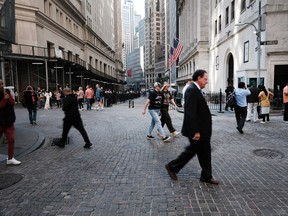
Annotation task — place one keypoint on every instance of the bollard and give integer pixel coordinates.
(129, 103)
(220, 111)
(132, 103)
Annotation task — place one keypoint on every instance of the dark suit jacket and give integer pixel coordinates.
(197, 116)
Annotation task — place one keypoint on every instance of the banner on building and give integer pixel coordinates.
(58, 53)
(129, 72)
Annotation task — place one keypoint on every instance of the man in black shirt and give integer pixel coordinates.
(253, 101)
(72, 118)
(154, 104)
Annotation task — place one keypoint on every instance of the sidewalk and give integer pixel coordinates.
(124, 174)
(26, 140)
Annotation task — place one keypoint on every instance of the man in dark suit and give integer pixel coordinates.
(197, 126)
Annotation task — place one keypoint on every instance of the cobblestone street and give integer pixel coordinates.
(124, 174)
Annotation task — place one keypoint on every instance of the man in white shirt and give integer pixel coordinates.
(188, 82)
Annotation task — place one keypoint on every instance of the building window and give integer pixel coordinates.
(215, 27)
(215, 3)
(232, 10)
(50, 10)
(220, 24)
(227, 16)
(243, 5)
(246, 51)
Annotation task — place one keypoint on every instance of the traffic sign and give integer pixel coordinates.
(273, 42)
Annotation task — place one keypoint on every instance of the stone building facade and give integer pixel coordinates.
(61, 43)
(234, 47)
(194, 35)
(214, 40)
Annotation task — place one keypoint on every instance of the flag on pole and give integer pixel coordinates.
(129, 72)
(177, 49)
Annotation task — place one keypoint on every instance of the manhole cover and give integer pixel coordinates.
(56, 141)
(9, 179)
(268, 153)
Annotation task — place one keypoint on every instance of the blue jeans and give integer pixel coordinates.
(155, 122)
(88, 103)
(32, 114)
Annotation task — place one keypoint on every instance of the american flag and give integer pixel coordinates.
(177, 49)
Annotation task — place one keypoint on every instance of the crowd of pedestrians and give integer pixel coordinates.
(253, 103)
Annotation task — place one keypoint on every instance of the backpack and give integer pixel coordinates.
(231, 99)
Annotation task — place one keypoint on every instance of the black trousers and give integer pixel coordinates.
(77, 123)
(286, 112)
(166, 119)
(200, 148)
(240, 114)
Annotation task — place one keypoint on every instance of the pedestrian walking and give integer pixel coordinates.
(154, 104)
(30, 102)
(229, 90)
(188, 81)
(285, 101)
(80, 97)
(253, 102)
(165, 117)
(58, 98)
(41, 99)
(264, 97)
(48, 96)
(197, 126)
(72, 118)
(241, 94)
(7, 119)
(89, 96)
(99, 94)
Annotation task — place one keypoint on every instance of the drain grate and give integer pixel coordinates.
(268, 153)
(56, 141)
(9, 179)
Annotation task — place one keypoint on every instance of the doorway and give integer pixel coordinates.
(230, 78)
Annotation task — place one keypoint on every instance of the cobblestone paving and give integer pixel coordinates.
(123, 174)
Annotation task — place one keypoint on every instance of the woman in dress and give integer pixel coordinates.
(47, 95)
(264, 97)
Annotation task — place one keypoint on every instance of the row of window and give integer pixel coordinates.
(59, 17)
(229, 11)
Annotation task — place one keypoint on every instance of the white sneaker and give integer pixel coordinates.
(175, 133)
(263, 122)
(13, 161)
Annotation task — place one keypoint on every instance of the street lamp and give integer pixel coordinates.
(258, 34)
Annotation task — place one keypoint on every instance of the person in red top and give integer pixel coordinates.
(7, 119)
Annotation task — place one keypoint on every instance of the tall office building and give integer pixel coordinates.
(128, 25)
(142, 32)
(154, 40)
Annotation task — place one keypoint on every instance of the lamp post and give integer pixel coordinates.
(258, 35)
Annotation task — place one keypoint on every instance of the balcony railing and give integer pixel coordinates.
(35, 51)
(43, 52)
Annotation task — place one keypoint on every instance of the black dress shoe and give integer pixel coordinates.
(240, 130)
(87, 145)
(171, 173)
(211, 181)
